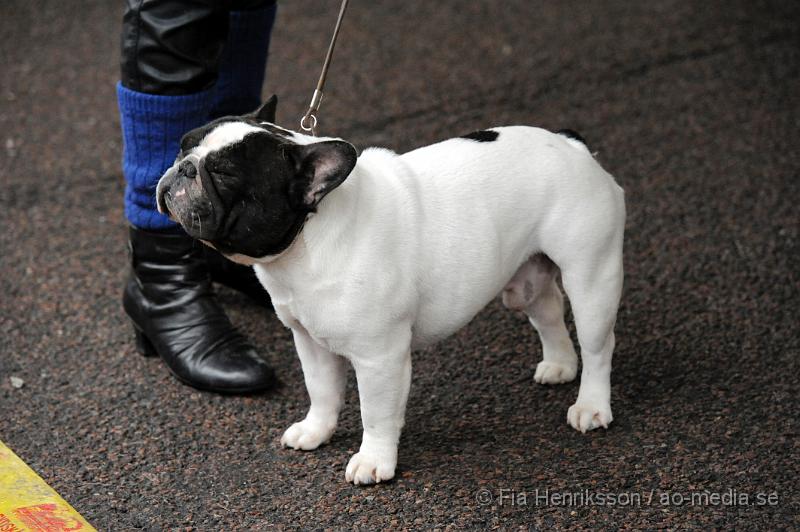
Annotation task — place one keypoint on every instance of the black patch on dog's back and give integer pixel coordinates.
(483, 135)
(572, 134)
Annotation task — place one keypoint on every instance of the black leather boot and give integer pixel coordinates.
(176, 316)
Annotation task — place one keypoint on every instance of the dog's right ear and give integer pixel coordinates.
(266, 113)
(319, 168)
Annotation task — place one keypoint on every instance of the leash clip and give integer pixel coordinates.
(309, 120)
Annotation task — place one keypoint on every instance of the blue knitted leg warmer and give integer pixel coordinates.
(152, 126)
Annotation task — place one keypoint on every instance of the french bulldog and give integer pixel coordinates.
(367, 258)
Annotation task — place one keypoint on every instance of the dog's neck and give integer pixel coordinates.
(322, 229)
(330, 229)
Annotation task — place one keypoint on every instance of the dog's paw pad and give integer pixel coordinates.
(584, 416)
(366, 468)
(555, 372)
(306, 435)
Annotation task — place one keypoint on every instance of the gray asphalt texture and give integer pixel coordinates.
(693, 106)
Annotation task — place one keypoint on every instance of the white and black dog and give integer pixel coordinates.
(369, 257)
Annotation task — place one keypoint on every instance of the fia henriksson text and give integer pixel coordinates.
(586, 497)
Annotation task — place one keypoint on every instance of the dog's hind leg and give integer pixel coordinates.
(594, 285)
(534, 290)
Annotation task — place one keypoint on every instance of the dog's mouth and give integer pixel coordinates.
(163, 198)
(166, 201)
(188, 195)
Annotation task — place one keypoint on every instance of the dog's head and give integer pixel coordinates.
(245, 186)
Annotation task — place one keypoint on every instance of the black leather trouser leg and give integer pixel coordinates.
(173, 47)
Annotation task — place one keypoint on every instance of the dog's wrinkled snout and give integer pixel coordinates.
(174, 178)
(187, 170)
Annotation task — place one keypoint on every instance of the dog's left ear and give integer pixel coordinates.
(319, 168)
(267, 110)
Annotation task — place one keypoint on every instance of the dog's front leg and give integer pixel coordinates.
(383, 384)
(325, 374)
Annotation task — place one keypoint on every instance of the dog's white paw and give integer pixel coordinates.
(370, 468)
(555, 372)
(307, 435)
(585, 415)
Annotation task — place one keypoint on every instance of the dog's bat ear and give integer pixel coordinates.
(319, 168)
(267, 110)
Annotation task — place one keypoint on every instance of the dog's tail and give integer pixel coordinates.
(574, 138)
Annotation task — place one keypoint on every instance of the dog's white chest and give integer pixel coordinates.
(282, 296)
(294, 305)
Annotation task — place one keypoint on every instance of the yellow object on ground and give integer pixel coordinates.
(28, 503)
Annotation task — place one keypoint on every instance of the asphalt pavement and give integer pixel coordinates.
(693, 106)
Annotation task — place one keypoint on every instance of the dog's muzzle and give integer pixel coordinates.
(188, 168)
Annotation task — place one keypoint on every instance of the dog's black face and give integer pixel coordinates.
(245, 186)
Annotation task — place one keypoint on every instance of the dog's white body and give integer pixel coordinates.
(411, 247)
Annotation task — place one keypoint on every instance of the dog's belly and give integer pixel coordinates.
(462, 292)
(456, 284)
